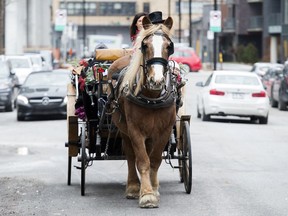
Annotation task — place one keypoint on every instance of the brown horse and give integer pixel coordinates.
(145, 110)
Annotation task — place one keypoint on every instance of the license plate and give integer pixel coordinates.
(238, 95)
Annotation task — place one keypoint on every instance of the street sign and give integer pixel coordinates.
(215, 21)
(210, 35)
(60, 20)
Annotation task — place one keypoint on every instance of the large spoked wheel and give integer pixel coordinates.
(83, 159)
(185, 161)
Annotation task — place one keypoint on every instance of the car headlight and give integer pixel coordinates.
(65, 100)
(22, 99)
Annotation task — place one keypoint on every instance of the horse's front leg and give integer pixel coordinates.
(133, 183)
(156, 160)
(147, 198)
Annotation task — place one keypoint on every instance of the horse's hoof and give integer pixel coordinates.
(149, 201)
(132, 195)
(132, 192)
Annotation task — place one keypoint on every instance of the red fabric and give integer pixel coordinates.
(100, 70)
(81, 83)
(83, 63)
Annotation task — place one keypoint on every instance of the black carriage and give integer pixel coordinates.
(93, 136)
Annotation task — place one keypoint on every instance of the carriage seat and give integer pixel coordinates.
(111, 54)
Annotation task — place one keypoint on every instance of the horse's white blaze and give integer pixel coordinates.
(158, 69)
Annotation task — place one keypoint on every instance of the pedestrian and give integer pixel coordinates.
(136, 26)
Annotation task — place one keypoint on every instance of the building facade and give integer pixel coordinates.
(27, 26)
(264, 23)
(102, 17)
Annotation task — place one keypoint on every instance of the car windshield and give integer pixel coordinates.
(36, 60)
(19, 63)
(51, 79)
(4, 71)
(236, 80)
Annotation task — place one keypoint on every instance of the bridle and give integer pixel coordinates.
(156, 60)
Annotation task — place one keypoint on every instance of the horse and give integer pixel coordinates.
(145, 111)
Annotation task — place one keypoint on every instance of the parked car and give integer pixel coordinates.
(39, 62)
(21, 65)
(279, 89)
(8, 86)
(260, 68)
(233, 93)
(43, 93)
(269, 77)
(187, 57)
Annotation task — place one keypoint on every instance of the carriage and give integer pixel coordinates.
(92, 133)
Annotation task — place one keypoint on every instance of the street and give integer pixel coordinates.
(239, 169)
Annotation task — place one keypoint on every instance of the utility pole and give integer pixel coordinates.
(2, 26)
(84, 26)
(179, 11)
(169, 8)
(190, 23)
(215, 42)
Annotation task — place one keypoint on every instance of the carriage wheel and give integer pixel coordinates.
(83, 159)
(69, 170)
(186, 162)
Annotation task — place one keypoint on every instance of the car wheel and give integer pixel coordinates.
(253, 119)
(198, 113)
(20, 117)
(281, 104)
(205, 117)
(10, 105)
(273, 102)
(263, 120)
(186, 67)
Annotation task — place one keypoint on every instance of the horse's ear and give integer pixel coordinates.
(168, 22)
(146, 23)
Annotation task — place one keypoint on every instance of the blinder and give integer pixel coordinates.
(170, 48)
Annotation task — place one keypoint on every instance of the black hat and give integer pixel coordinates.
(156, 17)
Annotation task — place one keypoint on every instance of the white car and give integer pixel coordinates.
(21, 65)
(233, 93)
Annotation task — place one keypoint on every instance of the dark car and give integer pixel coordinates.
(43, 93)
(279, 93)
(8, 86)
(270, 76)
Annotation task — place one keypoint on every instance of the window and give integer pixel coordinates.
(76, 8)
(116, 8)
(100, 8)
(236, 80)
(146, 7)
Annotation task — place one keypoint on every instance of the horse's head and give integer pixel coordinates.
(156, 48)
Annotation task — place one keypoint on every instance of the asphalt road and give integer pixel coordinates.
(239, 169)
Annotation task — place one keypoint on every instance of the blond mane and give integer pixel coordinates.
(134, 70)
